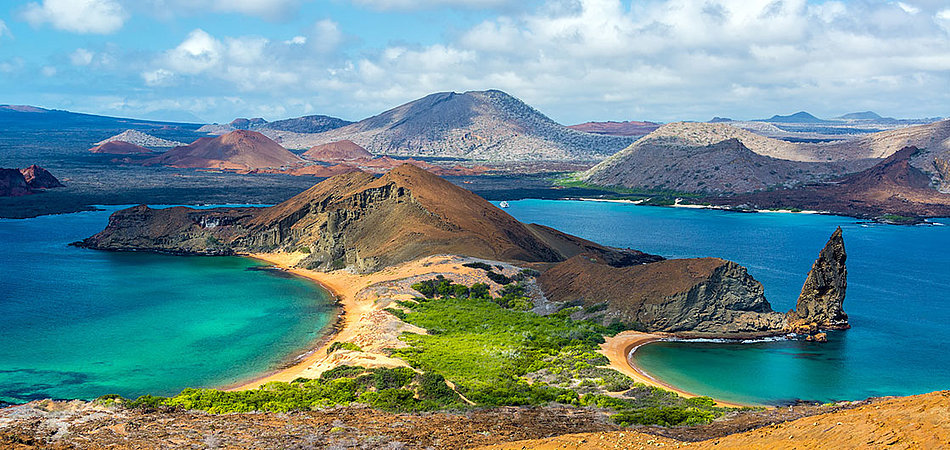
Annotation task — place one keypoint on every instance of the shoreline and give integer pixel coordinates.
(618, 349)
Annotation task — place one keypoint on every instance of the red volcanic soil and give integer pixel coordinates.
(629, 128)
(892, 186)
(237, 150)
(338, 151)
(379, 165)
(119, 148)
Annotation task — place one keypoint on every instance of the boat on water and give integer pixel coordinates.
(504, 204)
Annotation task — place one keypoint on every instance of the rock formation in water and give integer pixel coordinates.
(820, 303)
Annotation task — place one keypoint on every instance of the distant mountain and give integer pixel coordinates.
(141, 139)
(32, 117)
(307, 124)
(237, 150)
(893, 186)
(628, 128)
(485, 125)
(864, 115)
(799, 117)
(337, 152)
(718, 119)
(708, 157)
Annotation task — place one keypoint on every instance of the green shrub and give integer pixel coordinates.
(343, 346)
(478, 265)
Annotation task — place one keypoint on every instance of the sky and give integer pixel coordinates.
(574, 60)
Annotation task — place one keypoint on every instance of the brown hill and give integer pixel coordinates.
(893, 186)
(237, 150)
(355, 220)
(338, 151)
(39, 178)
(628, 128)
(119, 148)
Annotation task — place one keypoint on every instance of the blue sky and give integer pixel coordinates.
(575, 60)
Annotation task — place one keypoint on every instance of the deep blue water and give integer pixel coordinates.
(897, 298)
(78, 323)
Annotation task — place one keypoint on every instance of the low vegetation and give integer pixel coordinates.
(654, 197)
(494, 353)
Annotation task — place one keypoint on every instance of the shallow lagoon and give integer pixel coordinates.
(897, 300)
(78, 323)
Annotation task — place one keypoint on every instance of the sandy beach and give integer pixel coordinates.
(363, 321)
(363, 297)
(617, 348)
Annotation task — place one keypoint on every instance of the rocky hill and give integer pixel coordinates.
(893, 186)
(627, 128)
(711, 157)
(278, 128)
(485, 125)
(355, 220)
(20, 182)
(237, 150)
(119, 148)
(338, 151)
(138, 138)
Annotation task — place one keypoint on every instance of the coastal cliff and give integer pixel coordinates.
(695, 297)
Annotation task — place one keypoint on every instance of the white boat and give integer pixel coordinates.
(504, 204)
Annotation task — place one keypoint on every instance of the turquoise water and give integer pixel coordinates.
(897, 299)
(77, 323)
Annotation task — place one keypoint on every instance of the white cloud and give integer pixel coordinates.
(48, 71)
(4, 31)
(78, 16)
(81, 57)
(197, 53)
(584, 60)
(326, 36)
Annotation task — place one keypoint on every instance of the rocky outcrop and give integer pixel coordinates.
(357, 221)
(20, 182)
(690, 297)
(39, 178)
(820, 303)
(627, 128)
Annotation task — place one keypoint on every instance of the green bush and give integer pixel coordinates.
(343, 346)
